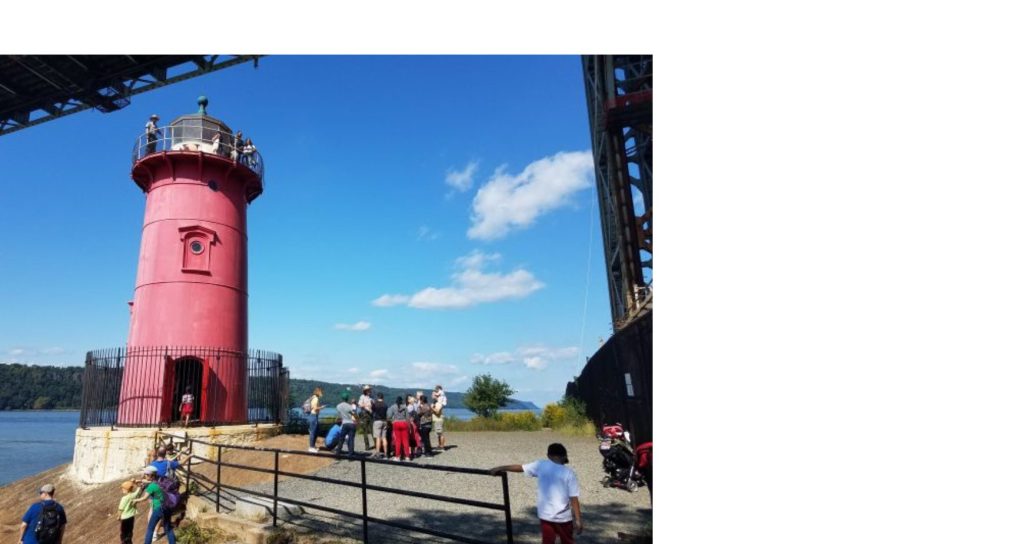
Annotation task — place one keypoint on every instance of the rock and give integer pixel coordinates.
(251, 509)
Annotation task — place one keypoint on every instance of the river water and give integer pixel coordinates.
(32, 442)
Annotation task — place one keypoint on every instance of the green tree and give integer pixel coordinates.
(486, 395)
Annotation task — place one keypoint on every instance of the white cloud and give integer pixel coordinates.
(532, 357)
(390, 300)
(470, 286)
(426, 233)
(435, 368)
(380, 374)
(509, 202)
(462, 180)
(16, 352)
(500, 358)
(357, 326)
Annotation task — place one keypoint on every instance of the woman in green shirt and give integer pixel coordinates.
(153, 492)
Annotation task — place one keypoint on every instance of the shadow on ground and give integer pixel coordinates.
(602, 523)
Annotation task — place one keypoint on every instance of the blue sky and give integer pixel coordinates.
(425, 219)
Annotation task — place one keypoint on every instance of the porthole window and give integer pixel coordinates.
(196, 246)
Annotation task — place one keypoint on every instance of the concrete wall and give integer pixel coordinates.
(105, 455)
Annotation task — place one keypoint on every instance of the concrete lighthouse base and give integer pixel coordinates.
(106, 455)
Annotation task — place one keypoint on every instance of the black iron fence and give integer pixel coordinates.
(213, 487)
(151, 386)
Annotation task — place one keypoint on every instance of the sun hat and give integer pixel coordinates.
(48, 489)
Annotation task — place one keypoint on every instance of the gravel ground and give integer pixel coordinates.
(606, 511)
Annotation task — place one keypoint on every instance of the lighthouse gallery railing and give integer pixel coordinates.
(265, 397)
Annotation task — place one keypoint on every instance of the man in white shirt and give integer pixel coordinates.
(558, 492)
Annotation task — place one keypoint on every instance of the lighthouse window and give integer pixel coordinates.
(196, 246)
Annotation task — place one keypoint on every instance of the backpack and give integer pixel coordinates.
(48, 527)
(307, 407)
(172, 490)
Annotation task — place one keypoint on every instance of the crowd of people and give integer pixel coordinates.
(240, 149)
(45, 521)
(400, 431)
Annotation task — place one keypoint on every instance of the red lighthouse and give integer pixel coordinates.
(188, 332)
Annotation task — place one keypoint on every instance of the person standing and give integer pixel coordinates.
(426, 424)
(187, 400)
(348, 419)
(365, 421)
(313, 416)
(249, 153)
(236, 147)
(437, 418)
(398, 414)
(158, 512)
(44, 521)
(413, 412)
(126, 510)
(558, 492)
(162, 465)
(379, 412)
(152, 133)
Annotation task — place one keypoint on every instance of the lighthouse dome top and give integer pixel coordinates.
(199, 128)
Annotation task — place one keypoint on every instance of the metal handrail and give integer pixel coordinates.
(504, 507)
(173, 138)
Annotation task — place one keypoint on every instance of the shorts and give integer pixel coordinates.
(380, 429)
(439, 425)
(186, 409)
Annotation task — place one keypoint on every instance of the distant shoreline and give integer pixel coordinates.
(49, 410)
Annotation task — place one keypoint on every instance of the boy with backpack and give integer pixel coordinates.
(161, 507)
(44, 521)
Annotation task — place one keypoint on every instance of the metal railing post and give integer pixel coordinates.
(508, 507)
(277, 467)
(366, 521)
(218, 478)
(188, 472)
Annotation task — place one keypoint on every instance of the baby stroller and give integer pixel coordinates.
(622, 465)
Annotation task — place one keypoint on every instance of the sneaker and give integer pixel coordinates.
(312, 450)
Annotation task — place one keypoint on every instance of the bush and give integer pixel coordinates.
(554, 416)
(568, 416)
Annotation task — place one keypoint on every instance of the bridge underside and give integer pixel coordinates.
(35, 89)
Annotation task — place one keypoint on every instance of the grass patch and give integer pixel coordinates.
(503, 421)
(194, 534)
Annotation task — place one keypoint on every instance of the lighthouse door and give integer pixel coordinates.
(188, 378)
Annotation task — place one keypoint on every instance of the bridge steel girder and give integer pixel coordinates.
(74, 83)
(619, 91)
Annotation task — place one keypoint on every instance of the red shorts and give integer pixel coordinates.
(550, 529)
(186, 409)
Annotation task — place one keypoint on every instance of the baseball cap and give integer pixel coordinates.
(154, 116)
(558, 450)
(48, 489)
(149, 470)
(365, 387)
